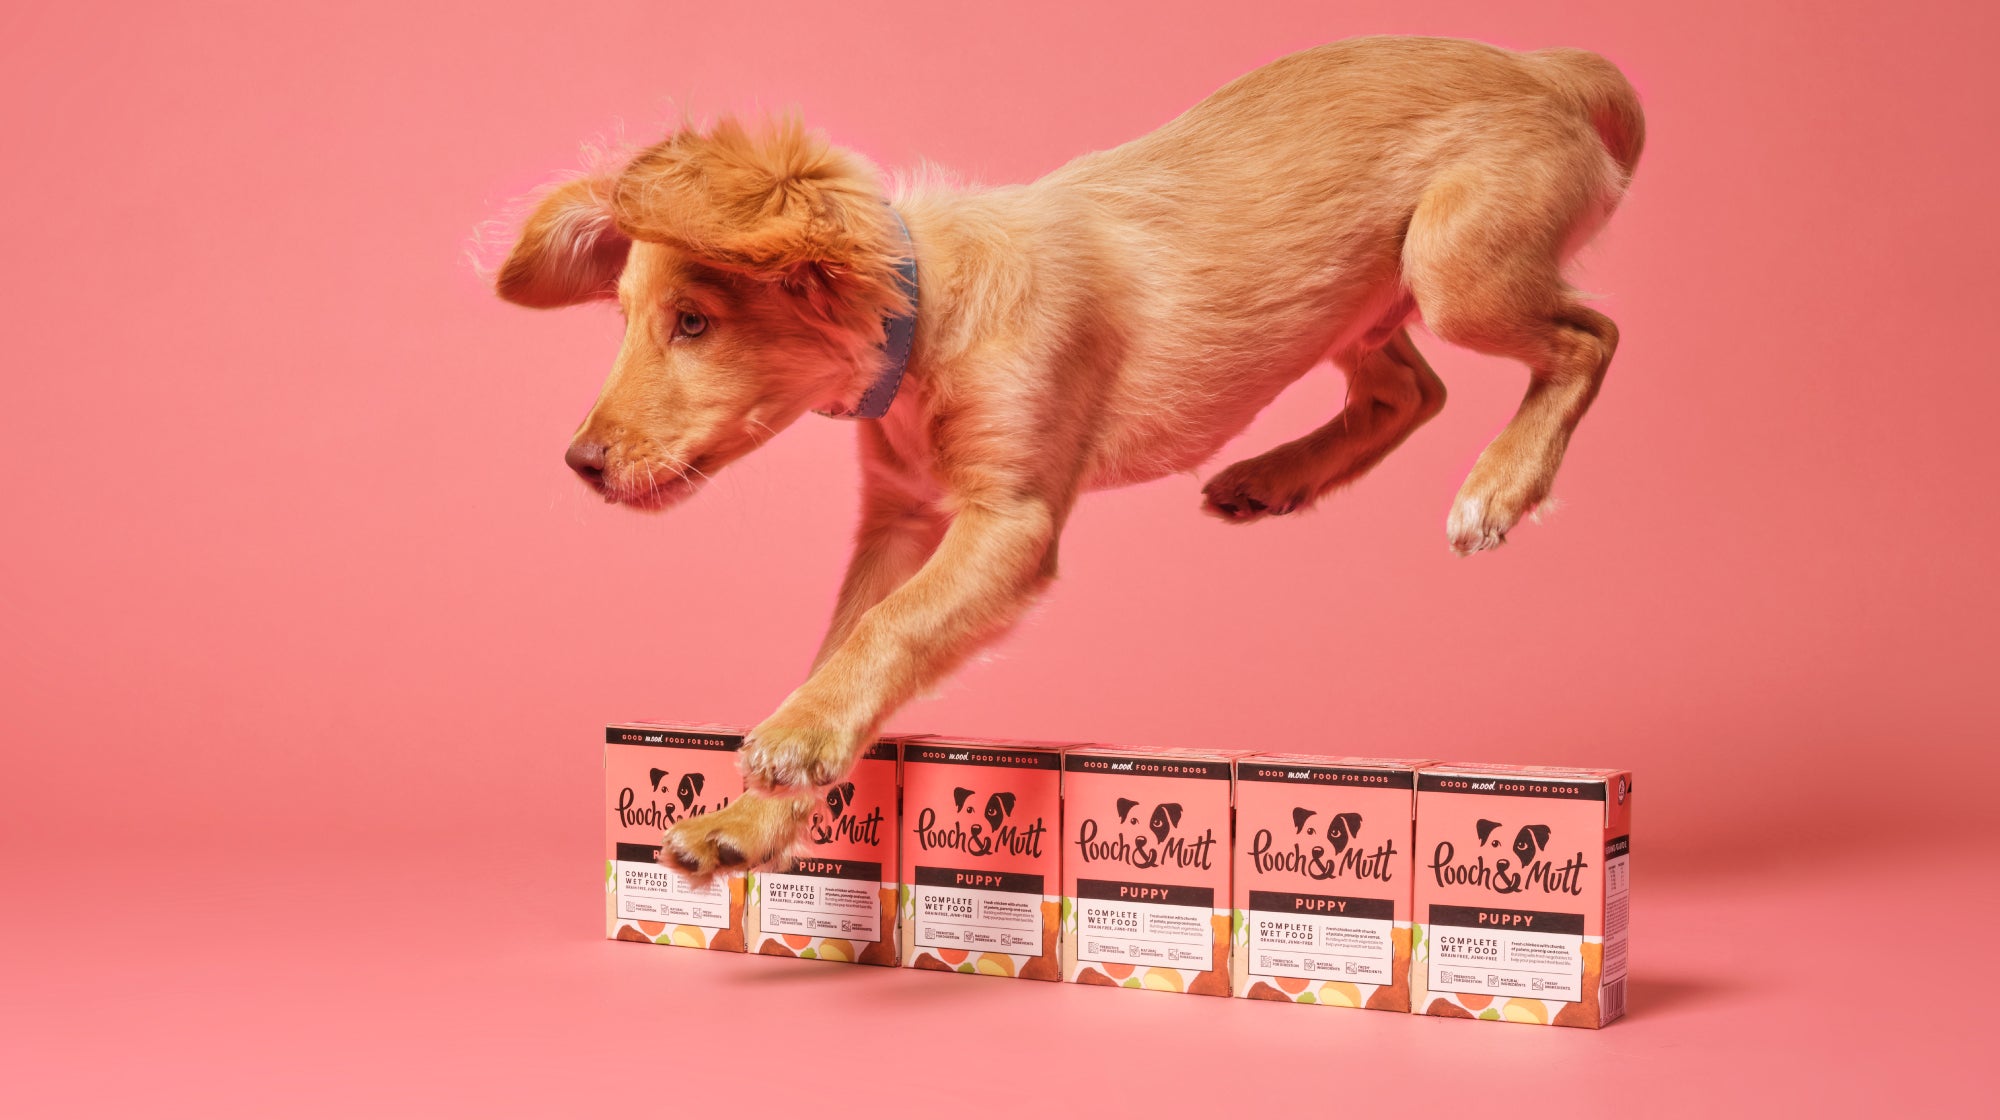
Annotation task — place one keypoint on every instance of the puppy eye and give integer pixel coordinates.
(691, 324)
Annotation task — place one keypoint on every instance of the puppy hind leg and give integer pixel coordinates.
(1391, 391)
(1515, 473)
(1483, 256)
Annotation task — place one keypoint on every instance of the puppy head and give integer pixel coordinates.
(754, 266)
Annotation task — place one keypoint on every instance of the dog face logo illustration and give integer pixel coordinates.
(1166, 817)
(839, 798)
(836, 803)
(690, 789)
(1341, 829)
(656, 776)
(1528, 843)
(999, 807)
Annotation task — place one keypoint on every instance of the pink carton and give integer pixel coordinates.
(982, 862)
(1323, 879)
(1146, 869)
(654, 775)
(837, 901)
(1523, 882)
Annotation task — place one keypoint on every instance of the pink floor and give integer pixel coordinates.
(443, 977)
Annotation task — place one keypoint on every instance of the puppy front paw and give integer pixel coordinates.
(749, 834)
(783, 757)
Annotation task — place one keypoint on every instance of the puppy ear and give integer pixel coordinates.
(1352, 821)
(656, 776)
(777, 202)
(959, 795)
(1172, 811)
(1541, 834)
(1299, 819)
(1006, 799)
(569, 251)
(696, 781)
(1486, 829)
(1125, 805)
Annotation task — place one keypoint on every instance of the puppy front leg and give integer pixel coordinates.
(900, 529)
(984, 573)
(989, 566)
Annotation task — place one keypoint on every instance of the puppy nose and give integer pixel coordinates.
(586, 458)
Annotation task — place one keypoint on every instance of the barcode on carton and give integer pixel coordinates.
(1613, 1003)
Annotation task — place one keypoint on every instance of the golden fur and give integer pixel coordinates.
(1118, 320)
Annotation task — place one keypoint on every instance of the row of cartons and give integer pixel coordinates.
(1471, 891)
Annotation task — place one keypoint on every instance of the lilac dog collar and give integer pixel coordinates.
(899, 331)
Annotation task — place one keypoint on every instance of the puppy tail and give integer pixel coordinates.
(1600, 91)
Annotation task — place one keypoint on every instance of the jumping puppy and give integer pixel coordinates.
(1119, 320)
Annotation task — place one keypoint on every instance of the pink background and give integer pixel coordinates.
(310, 638)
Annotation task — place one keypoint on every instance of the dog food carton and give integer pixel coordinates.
(1523, 877)
(982, 856)
(656, 774)
(837, 900)
(1146, 869)
(1323, 879)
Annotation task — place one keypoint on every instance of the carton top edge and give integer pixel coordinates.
(663, 725)
(1572, 773)
(930, 740)
(1338, 761)
(1114, 750)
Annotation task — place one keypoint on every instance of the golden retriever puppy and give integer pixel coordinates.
(1003, 350)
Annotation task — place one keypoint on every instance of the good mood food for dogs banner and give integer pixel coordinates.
(1466, 891)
